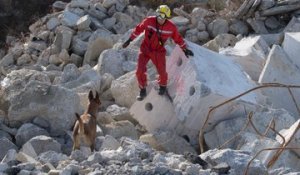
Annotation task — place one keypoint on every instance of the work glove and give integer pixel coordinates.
(126, 43)
(188, 52)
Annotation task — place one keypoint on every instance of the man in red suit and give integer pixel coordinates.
(157, 30)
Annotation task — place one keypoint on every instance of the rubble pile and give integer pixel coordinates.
(199, 128)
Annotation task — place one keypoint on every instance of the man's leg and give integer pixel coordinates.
(160, 63)
(141, 74)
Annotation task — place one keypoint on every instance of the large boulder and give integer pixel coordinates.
(195, 84)
(26, 94)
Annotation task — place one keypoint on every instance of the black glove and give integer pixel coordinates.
(188, 52)
(126, 43)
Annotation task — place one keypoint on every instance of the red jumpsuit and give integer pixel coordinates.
(153, 47)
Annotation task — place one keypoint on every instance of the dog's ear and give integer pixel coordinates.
(97, 95)
(91, 95)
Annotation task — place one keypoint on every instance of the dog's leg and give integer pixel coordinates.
(92, 147)
(76, 144)
(76, 139)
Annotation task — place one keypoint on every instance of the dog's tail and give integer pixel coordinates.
(81, 128)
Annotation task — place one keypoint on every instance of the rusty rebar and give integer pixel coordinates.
(239, 133)
(276, 156)
(211, 109)
(266, 149)
(294, 100)
(271, 124)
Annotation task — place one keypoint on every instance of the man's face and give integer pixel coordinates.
(161, 18)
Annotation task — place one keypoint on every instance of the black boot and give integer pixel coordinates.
(142, 95)
(162, 90)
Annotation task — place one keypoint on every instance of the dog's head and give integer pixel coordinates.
(94, 101)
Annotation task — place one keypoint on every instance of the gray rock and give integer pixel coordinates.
(5, 134)
(201, 26)
(111, 61)
(238, 27)
(3, 167)
(109, 143)
(99, 41)
(80, 4)
(5, 146)
(63, 38)
(79, 47)
(84, 23)
(167, 141)
(37, 86)
(40, 144)
(258, 26)
(100, 15)
(217, 27)
(89, 79)
(28, 131)
(191, 35)
(39, 121)
(76, 59)
(109, 22)
(59, 5)
(121, 129)
(69, 19)
(11, 155)
(51, 157)
(237, 160)
(108, 3)
(79, 155)
(203, 36)
(266, 4)
(52, 23)
(24, 60)
(272, 23)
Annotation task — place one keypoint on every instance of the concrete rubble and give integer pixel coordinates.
(238, 46)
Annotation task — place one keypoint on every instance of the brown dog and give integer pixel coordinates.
(85, 126)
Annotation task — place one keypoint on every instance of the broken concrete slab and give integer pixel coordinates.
(279, 68)
(194, 86)
(250, 53)
(291, 44)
